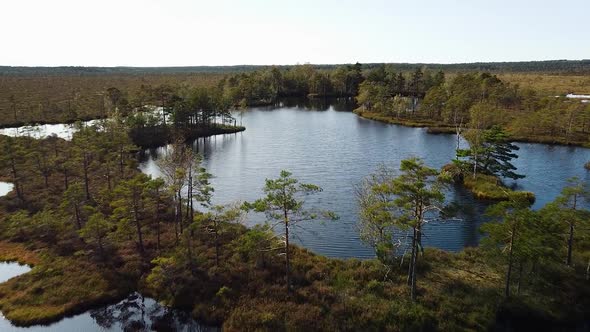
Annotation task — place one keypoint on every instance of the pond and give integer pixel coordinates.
(10, 270)
(5, 188)
(134, 313)
(324, 144)
(61, 130)
(329, 146)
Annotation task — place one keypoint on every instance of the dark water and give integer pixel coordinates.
(135, 313)
(329, 146)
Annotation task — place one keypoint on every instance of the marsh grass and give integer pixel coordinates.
(489, 187)
(56, 286)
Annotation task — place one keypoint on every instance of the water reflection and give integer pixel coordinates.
(336, 149)
(134, 313)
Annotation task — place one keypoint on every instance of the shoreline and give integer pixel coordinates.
(466, 266)
(42, 123)
(163, 137)
(435, 128)
(14, 292)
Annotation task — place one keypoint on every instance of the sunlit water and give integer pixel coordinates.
(335, 149)
(329, 146)
(5, 188)
(61, 130)
(10, 270)
(583, 98)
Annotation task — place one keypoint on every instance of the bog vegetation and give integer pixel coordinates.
(95, 228)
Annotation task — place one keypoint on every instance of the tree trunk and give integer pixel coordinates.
(100, 246)
(189, 244)
(287, 254)
(180, 211)
(216, 234)
(570, 241)
(570, 244)
(413, 267)
(19, 190)
(121, 160)
(99, 240)
(108, 169)
(138, 225)
(77, 215)
(409, 281)
(86, 180)
(66, 182)
(509, 271)
(475, 165)
(157, 216)
(519, 279)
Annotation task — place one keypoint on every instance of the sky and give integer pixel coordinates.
(279, 32)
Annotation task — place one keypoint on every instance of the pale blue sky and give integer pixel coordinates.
(226, 32)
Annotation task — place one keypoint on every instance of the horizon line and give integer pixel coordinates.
(295, 64)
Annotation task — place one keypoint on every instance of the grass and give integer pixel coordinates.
(438, 127)
(549, 84)
(56, 286)
(460, 291)
(578, 140)
(62, 97)
(489, 187)
(17, 252)
(404, 122)
(456, 292)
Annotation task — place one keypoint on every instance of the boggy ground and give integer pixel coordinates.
(439, 127)
(246, 290)
(456, 291)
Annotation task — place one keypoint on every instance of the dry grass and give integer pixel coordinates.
(61, 98)
(490, 188)
(550, 84)
(55, 287)
(16, 252)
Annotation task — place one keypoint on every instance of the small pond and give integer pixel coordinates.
(5, 188)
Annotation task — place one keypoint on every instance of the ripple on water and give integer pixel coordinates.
(335, 150)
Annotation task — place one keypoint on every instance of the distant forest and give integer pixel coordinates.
(550, 66)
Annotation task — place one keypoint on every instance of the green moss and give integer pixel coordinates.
(490, 188)
(55, 287)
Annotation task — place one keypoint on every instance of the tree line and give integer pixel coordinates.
(84, 202)
(474, 100)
